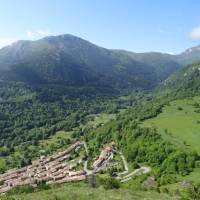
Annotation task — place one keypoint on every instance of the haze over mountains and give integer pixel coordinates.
(72, 61)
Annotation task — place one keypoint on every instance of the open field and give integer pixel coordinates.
(56, 139)
(80, 191)
(181, 122)
(100, 119)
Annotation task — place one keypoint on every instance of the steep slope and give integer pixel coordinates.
(185, 82)
(189, 56)
(70, 60)
(164, 64)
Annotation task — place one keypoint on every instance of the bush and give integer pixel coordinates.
(43, 186)
(179, 108)
(134, 165)
(197, 164)
(111, 183)
(167, 179)
(164, 190)
(21, 189)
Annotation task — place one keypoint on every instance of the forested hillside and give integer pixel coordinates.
(184, 83)
(63, 89)
(72, 61)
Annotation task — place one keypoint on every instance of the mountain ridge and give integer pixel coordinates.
(70, 60)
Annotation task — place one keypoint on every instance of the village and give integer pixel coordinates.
(62, 168)
(51, 169)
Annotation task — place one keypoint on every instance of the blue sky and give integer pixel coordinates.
(137, 25)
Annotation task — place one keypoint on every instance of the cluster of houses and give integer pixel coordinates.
(105, 156)
(57, 168)
(51, 169)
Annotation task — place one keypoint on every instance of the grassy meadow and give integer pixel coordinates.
(179, 123)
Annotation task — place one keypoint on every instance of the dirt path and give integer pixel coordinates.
(86, 148)
(140, 171)
(124, 163)
(86, 162)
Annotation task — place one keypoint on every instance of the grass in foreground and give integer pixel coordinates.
(80, 191)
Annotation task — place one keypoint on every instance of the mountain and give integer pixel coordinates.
(62, 89)
(72, 61)
(189, 56)
(164, 64)
(185, 82)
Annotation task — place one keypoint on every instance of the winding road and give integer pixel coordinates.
(123, 176)
(140, 171)
(124, 163)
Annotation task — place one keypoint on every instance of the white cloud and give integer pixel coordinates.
(195, 33)
(37, 34)
(30, 34)
(6, 41)
(171, 53)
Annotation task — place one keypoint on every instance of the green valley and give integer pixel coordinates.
(179, 122)
(132, 120)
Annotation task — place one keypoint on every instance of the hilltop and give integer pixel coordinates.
(72, 61)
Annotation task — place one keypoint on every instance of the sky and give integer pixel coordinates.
(169, 26)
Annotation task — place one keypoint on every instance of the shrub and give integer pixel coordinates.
(21, 189)
(111, 183)
(43, 186)
(179, 108)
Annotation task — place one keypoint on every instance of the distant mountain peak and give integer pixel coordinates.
(71, 60)
(192, 50)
